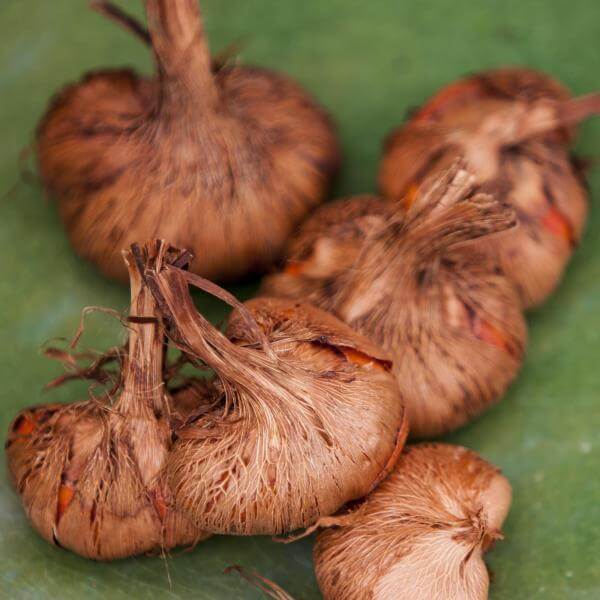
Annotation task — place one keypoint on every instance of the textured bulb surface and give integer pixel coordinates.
(90, 474)
(308, 415)
(421, 534)
(419, 284)
(222, 159)
(513, 128)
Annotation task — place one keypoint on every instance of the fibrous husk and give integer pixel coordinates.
(309, 417)
(421, 288)
(513, 127)
(421, 534)
(324, 247)
(90, 474)
(222, 159)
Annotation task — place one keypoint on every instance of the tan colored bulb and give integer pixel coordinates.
(90, 474)
(421, 535)
(513, 127)
(416, 283)
(309, 415)
(222, 159)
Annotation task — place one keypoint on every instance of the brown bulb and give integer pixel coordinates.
(223, 160)
(417, 284)
(309, 416)
(421, 534)
(513, 127)
(90, 474)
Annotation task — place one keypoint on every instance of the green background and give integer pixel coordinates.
(368, 62)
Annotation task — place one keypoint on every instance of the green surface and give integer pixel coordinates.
(368, 62)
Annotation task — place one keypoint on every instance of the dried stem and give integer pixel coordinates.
(182, 55)
(340, 520)
(218, 292)
(270, 588)
(96, 371)
(446, 213)
(194, 334)
(143, 369)
(578, 109)
(544, 117)
(522, 121)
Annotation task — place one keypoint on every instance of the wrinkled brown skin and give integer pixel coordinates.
(482, 119)
(310, 416)
(416, 284)
(223, 163)
(421, 534)
(89, 474)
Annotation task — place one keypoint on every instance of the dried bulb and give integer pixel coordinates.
(309, 416)
(513, 127)
(222, 159)
(89, 474)
(419, 287)
(421, 534)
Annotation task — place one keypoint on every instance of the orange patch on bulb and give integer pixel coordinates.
(361, 359)
(25, 425)
(65, 494)
(160, 504)
(460, 90)
(410, 195)
(486, 332)
(557, 223)
(294, 267)
(272, 476)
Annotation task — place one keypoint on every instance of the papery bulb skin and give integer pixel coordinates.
(223, 160)
(419, 284)
(310, 414)
(324, 247)
(421, 535)
(90, 474)
(513, 127)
